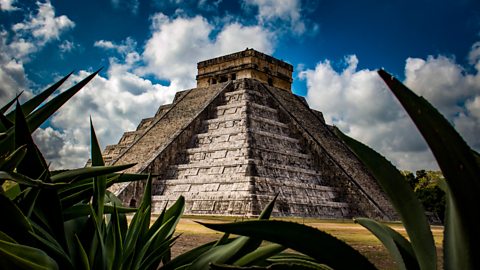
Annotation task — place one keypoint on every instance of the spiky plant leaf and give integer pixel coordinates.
(33, 103)
(459, 166)
(17, 256)
(402, 198)
(399, 248)
(319, 245)
(88, 172)
(36, 118)
(259, 254)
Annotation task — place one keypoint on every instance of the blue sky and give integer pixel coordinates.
(149, 50)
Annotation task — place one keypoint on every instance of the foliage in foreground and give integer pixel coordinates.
(68, 219)
(460, 166)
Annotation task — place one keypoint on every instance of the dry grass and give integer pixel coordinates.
(194, 234)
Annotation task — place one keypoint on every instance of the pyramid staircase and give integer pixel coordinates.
(244, 154)
(231, 148)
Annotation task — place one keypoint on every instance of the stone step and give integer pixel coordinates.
(208, 139)
(312, 186)
(216, 147)
(273, 135)
(223, 131)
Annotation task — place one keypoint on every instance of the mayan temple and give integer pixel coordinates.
(238, 139)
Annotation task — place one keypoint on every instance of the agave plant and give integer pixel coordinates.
(68, 219)
(461, 168)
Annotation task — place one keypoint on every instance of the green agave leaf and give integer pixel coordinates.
(98, 259)
(114, 243)
(53, 249)
(5, 124)
(399, 247)
(88, 172)
(48, 209)
(33, 164)
(80, 210)
(16, 256)
(133, 239)
(16, 224)
(455, 257)
(97, 158)
(36, 118)
(37, 100)
(152, 261)
(402, 198)
(319, 245)
(145, 247)
(219, 254)
(456, 160)
(73, 228)
(188, 257)
(138, 230)
(236, 249)
(84, 262)
(11, 161)
(174, 212)
(100, 182)
(259, 254)
(27, 181)
(7, 106)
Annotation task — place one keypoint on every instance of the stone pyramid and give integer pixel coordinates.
(238, 139)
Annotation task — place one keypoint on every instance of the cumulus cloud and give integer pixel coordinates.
(359, 103)
(67, 46)
(43, 26)
(125, 47)
(177, 44)
(7, 5)
(116, 102)
(24, 39)
(272, 11)
(451, 89)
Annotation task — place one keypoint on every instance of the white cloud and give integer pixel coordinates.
(451, 89)
(359, 103)
(7, 5)
(19, 44)
(67, 46)
(43, 26)
(271, 11)
(116, 103)
(176, 45)
(126, 46)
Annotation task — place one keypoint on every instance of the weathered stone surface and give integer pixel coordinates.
(229, 148)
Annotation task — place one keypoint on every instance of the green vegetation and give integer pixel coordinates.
(426, 185)
(69, 220)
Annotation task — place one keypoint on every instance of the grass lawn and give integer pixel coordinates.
(361, 239)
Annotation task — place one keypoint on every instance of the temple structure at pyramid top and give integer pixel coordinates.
(249, 64)
(238, 139)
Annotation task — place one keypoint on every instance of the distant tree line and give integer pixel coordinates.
(425, 185)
